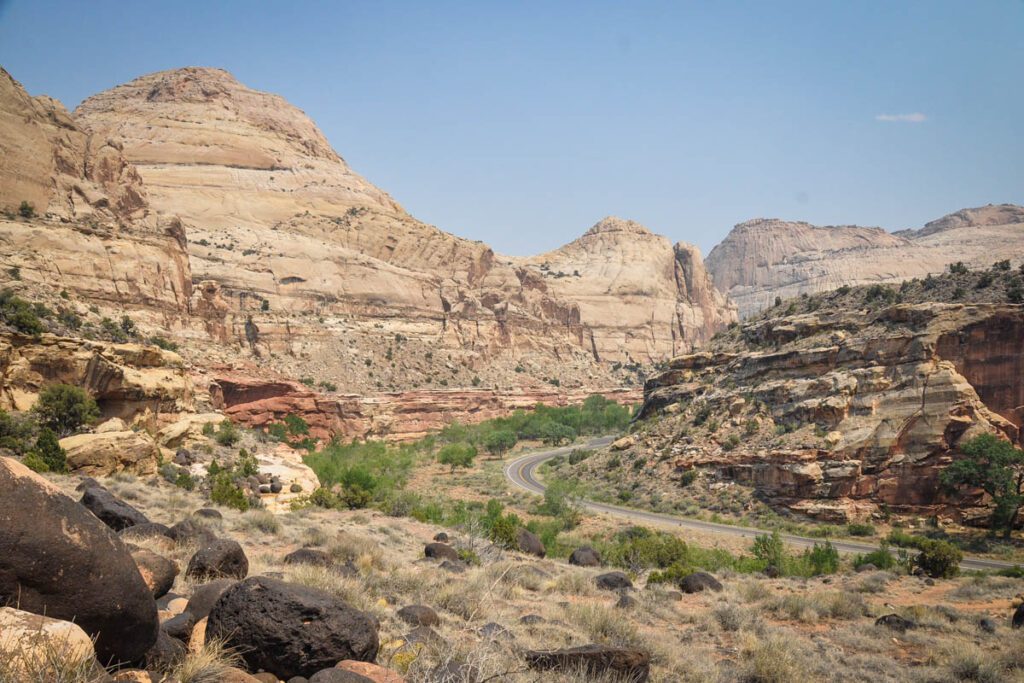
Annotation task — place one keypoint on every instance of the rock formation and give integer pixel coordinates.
(836, 412)
(396, 417)
(767, 258)
(138, 383)
(275, 215)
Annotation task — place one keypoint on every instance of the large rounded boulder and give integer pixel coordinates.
(220, 558)
(291, 630)
(112, 511)
(58, 559)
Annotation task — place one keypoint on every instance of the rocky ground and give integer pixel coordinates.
(439, 618)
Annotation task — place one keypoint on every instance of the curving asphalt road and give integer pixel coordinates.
(521, 472)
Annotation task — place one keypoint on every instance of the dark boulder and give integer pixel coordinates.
(613, 581)
(308, 556)
(699, 582)
(291, 630)
(205, 596)
(113, 512)
(987, 625)
(441, 537)
(625, 664)
(141, 532)
(529, 543)
(895, 622)
(1018, 616)
(418, 615)
(493, 631)
(423, 635)
(183, 457)
(57, 559)
(180, 626)
(208, 513)
(165, 652)
(190, 531)
(222, 558)
(585, 556)
(157, 571)
(338, 676)
(626, 601)
(453, 567)
(531, 619)
(772, 572)
(440, 551)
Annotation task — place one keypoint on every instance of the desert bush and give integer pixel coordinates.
(939, 559)
(457, 455)
(227, 434)
(881, 558)
(500, 441)
(860, 529)
(223, 491)
(64, 408)
(20, 314)
(367, 472)
(263, 521)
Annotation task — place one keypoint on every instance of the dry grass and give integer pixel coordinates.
(47, 660)
(207, 665)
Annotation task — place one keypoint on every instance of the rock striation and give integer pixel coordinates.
(837, 413)
(763, 259)
(396, 417)
(274, 215)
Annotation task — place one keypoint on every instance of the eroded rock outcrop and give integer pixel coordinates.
(837, 412)
(135, 382)
(397, 417)
(767, 258)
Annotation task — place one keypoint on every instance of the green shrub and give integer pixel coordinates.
(688, 477)
(500, 441)
(227, 434)
(49, 451)
(209, 429)
(296, 425)
(20, 314)
(457, 455)
(35, 463)
(770, 549)
(163, 343)
(939, 559)
(223, 491)
(860, 529)
(501, 529)
(247, 465)
(881, 558)
(366, 472)
(26, 209)
(578, 455)
(823, 559)
(325, 498)
(64, 408)
(17, 432)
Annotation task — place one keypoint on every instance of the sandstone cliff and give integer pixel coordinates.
(302, 262)
(764, 259)
(836, 411)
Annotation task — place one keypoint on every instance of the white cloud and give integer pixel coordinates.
(916, 117)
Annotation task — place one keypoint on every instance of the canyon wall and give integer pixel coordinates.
(766, 258)
(840, 413)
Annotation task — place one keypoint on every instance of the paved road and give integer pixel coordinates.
(521, 472)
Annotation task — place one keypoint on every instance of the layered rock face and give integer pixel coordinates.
(836, 413)
(637, 293)
(136, 383)
(95, 236)
(765, 258)
(274, 214)
(395, 417)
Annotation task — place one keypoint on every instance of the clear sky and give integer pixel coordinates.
(523, 123)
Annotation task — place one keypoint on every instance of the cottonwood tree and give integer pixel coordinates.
(996, 467)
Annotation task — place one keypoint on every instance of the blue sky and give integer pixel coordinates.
(523, 123)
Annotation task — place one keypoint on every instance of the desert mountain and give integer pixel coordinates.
(295, 261)
(766, 258)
